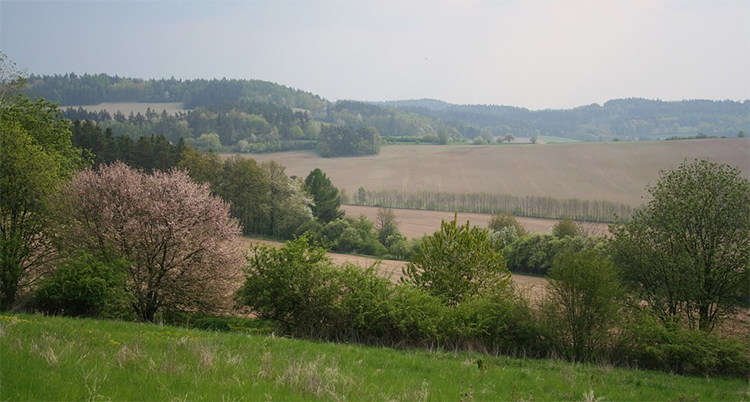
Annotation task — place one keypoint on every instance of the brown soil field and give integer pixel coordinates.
(417, 223)
(617, 171)
(127, 107)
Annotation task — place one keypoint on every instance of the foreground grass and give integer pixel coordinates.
(50, 358)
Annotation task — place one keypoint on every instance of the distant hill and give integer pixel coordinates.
(419, 121)
(87, 89)
(624, 119)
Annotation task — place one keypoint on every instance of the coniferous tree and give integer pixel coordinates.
(325, 196)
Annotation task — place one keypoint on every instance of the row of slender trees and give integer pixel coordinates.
(485, 203)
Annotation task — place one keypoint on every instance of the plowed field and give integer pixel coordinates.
(617, 172)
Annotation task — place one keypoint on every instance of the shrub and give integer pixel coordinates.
(534, 254)
(364, 305)
(456, 263)
(672, 348)
(313, 229)
(499, 222)
(84, 286)
(415, 317)
(582, 304)
(295, 286)
(498, 321)
(565, 228)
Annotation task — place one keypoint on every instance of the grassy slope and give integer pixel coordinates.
(67, 359)
(617, 171)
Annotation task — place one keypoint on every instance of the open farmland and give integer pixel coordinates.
(617, 172)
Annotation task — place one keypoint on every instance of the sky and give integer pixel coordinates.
(536, 54)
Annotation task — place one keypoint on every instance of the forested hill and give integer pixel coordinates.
(627, 119)
(72, 89)
(411, 120)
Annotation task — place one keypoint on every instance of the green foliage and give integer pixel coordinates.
(582, 304)
(345, 141)
(398, 247)
(499, 222)
(294, 286)
(416, 318)
(495, 321)
(241, 126)
(242, 184)
(504, 237)
(264, 199)
(314, 231)
(88, 89)
(535, 254)
(42, 121)
(326, 201)
(386, 225)
(566, 227)
(456, 263)
(12, 81)
(685, 253)
(647, 343)
(147, 152)
(84, 285)
(36, 155)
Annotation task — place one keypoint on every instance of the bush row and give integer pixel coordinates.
(303, 294)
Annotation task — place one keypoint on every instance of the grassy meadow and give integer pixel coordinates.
(57, 359)
(616, 171)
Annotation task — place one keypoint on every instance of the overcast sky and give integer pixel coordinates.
(529, 53)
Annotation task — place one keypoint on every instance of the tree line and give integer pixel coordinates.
(237, 125)
(484, 203)
(93, 89)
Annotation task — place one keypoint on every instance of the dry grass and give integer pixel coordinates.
(617, 172)
(318, 377)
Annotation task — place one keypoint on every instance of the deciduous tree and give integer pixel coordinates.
(686, 252)
(582, 302)
(500, 221)
(178, 240)
(36, 154)
(565, 228)
(386, 225)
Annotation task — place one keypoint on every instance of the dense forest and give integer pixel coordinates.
(259, 116)
(71, 89)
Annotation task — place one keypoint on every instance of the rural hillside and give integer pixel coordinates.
(125, 217)
(362, 200)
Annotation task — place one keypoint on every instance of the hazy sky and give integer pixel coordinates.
(530, 53)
